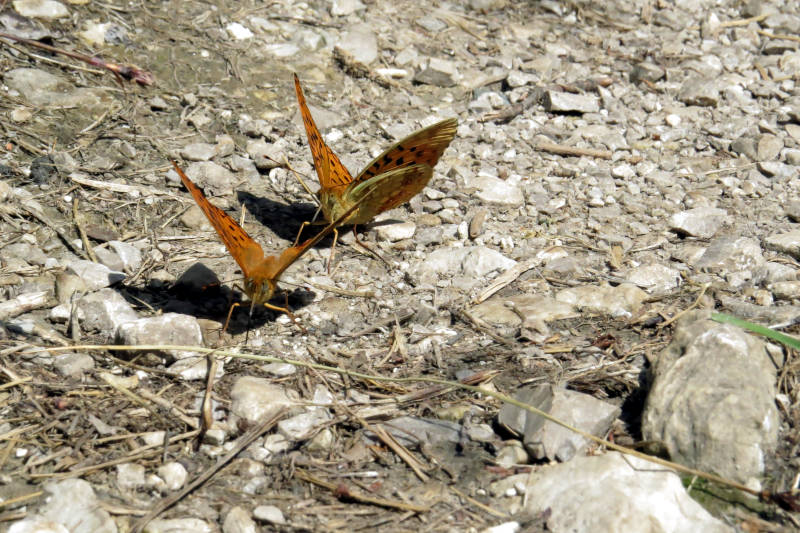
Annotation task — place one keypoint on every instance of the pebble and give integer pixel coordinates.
(69, 505)
(561, 102)
(104, 311)
(238, 521)
(621, 301)
(439, 72)
(270, 514)
(493, 190)
(198, 151)
(169, 328)
(43, 9)
(361, 43)
(130, 476)
(702, 222)
(396, 232)
(174, 525)
(174, 475)
(788, 243)
(73, 364)
(341, 8)
(94, 275)
(255, 399)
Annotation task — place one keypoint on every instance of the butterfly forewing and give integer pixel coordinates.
(247, 252)
(425, 146)
(331, 172)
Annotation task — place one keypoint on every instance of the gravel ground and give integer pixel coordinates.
(619, 173)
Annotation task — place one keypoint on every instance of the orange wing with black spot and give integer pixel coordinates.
(331, 172)
(247, 252)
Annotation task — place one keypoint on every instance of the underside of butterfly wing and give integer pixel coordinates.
(425, 146)
(383, 192)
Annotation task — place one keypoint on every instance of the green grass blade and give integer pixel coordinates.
(792, 342)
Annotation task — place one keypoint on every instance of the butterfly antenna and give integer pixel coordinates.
(303, 183)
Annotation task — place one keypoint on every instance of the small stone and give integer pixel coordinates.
(174, 475)
(396, 232)
(94, 275)
(130, 476)
(266, 156)
(785, 290)
(157, 103)
(702, 222)
(769, 146)
(746, 146)
(439, 72)
(621, 301)
(67, 285)
(300, 426)
(180, 525)
(255, 399)
(647, 71)
(214, 178)
(700, 92)
(279, 370)
(269, 513)
(73, 364)
(238, 521)
(654, 278)
(44, 9)
(238, 31)
(198, 151)
(169, 328)
(214, 437)
(130, 255)
(342, 8)
(105, 311)
(492, 189)
(109, 259)
(561, 102)
(360, 43)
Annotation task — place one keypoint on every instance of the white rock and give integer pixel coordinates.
(238, 31)
(130, 476)
(633, 491)
(269, 513)
(255, 399)
(94, 275)
(173, 474)
(396, 232)
(361, 43)
(238, 521)
(44, 9)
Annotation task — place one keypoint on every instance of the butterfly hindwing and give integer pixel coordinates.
(331, 172)
(388, 190)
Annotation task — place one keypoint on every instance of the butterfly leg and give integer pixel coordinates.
(300, 231)
(367, 248)
(234, 305)
(333, 249)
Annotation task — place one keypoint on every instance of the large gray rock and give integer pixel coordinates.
(612, 493)
(712, 403)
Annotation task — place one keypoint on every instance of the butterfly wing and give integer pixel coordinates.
(332, 174)
(247, 252)
(386, 191)
(425, 146)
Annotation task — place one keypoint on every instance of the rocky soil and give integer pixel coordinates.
(620, 172)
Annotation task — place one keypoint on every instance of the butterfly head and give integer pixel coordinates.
(260, 290)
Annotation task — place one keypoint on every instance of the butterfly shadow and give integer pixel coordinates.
(284, 220)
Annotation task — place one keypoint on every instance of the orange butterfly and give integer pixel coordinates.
(261, 272)
(389, 180)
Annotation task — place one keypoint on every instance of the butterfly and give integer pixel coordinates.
(261, 272)
(391, 179)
